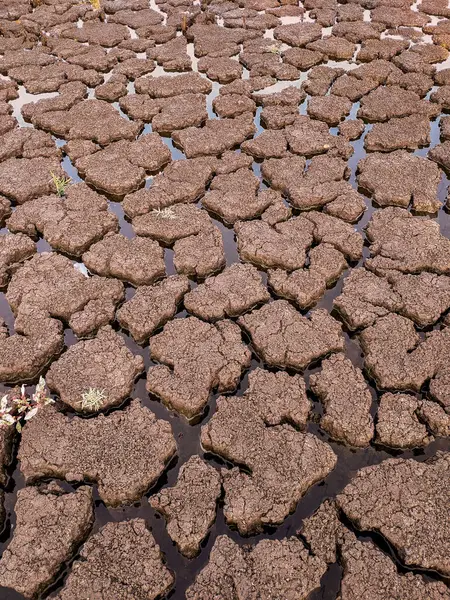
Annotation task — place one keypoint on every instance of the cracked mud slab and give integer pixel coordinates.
(406, 243)
(23, 179)
(94, 120)
(122, 560)
(282, 246)
(175, 223)
(322, 182)
(48, 285)
(322, 531)
(121, 168)
(103, 363)
(139, 261)
(392, 101)
(198, 256)
(217, 136)
(213, 132)
(235, 196)
(71, 224)
(235, 291)
(258, 496)
(347, 401)
(183, 181)
(306, 286)
(200, 357)
(398, 178)
(28, 143)
(400, 423)
(407, 132)
(365, 297)
(124, 453)
(50, 525)
(418, 530)
(286, 339)
(25, 353)
(396, 356)
(190, 506)
(282, 567)
(152, 306)
(14, 249)
(367, 570)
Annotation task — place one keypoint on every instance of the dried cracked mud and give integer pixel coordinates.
(225, 247)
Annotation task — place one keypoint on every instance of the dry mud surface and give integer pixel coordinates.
(249, 272)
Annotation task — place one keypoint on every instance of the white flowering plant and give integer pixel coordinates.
(17, 407)
(93, 399)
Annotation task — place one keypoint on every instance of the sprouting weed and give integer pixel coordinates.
(184, 24)
(95, 4)
(93, 399)
(17, 407)
(274, 49)
(164, 213)
(60, 183)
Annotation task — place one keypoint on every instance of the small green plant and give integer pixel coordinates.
(95, 4)
(60, 183)
(164, 213)
(93, 399)
(274, 49)
(16, 407)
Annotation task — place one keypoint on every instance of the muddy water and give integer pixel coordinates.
(188, 434)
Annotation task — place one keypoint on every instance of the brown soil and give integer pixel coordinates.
(239, 302)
